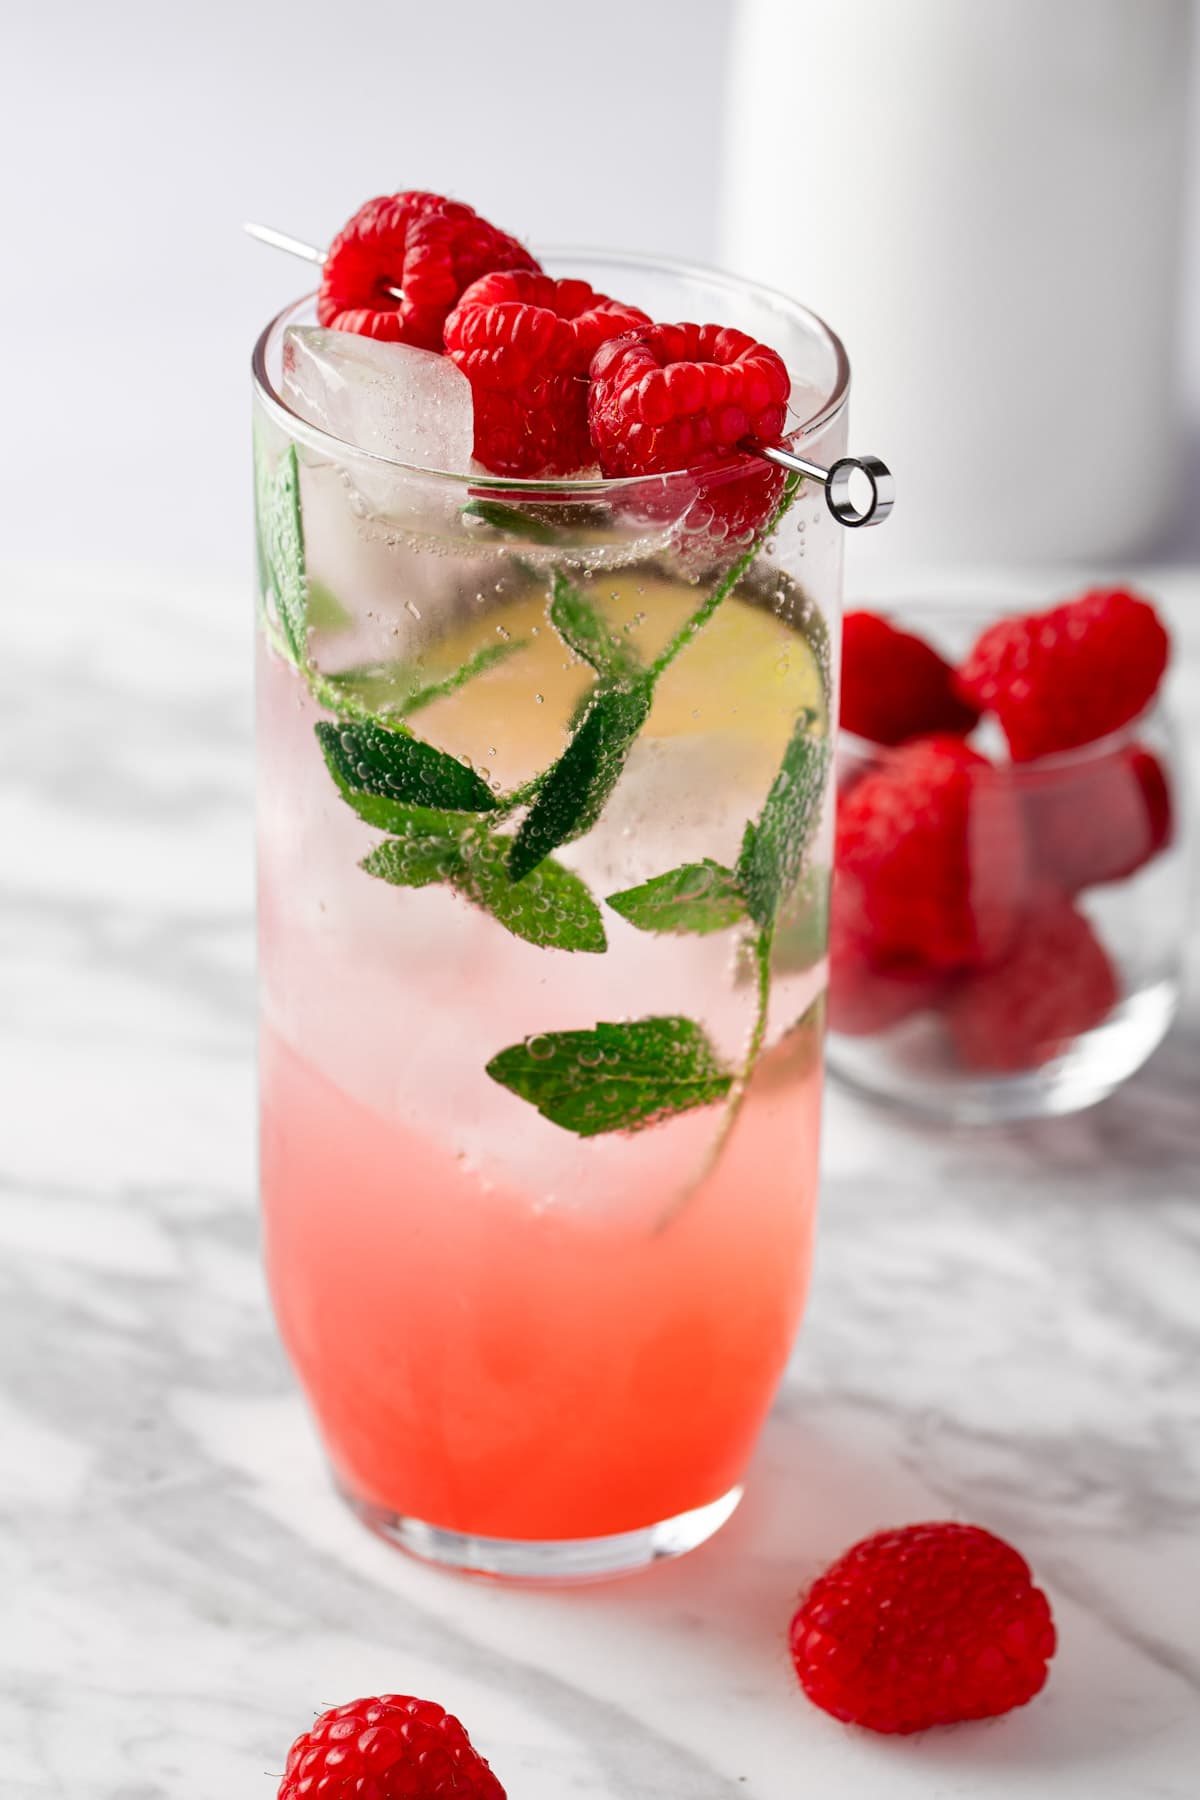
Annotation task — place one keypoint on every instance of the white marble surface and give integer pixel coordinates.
(1005, 1327)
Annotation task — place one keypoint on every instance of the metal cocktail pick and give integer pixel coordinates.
(835, 480)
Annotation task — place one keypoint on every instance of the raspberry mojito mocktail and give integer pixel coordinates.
(545, 832)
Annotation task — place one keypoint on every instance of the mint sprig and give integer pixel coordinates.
(378, 771)
(694, 898)
(614, 1077)
(442, 819)
(551, 908)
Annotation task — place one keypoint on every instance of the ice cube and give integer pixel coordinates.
(409, 405)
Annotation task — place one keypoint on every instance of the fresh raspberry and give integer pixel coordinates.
(525, 343)
(1096, 820)
(429, 247)
(867, 997)
(895, 686)
(674, 397)
(1062, 678)
(931, 857)
(389, 1748)
(923, 1626)
(1055, 983)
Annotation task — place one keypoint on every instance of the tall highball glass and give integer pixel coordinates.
(544, 845)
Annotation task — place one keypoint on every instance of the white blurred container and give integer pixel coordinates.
(985, 202)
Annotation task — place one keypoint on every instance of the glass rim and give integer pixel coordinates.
(834, 393)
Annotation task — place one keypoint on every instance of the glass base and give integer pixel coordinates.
(909, 1069)
(553, 1562)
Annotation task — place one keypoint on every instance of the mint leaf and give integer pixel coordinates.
(379, 771)
(281, 538)
(585, 630)
(395, 690)
(551, 906)
(615, 1077)
(427, 847)
(773, 847)
(572, 794)
(697, 897)
(512, 520)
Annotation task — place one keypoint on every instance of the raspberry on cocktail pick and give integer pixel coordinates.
(397, 268)
(685, 396)
(525, 343)
(370, 313)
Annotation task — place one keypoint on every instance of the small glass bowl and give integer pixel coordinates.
(1095, 926)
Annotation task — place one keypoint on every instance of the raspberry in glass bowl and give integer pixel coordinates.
(1010, 885)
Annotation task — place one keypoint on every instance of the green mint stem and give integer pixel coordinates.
(476, 664)
(326, 692)
(399, 697)
(763, 944)
(762, 956)
(762, 947)
(520, 796)
(725, 586)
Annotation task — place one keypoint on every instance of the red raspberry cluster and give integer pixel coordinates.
(957, 877)
(564, 378)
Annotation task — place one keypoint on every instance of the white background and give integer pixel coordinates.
(135, 138)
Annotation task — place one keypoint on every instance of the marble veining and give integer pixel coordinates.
(1004, 1326)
